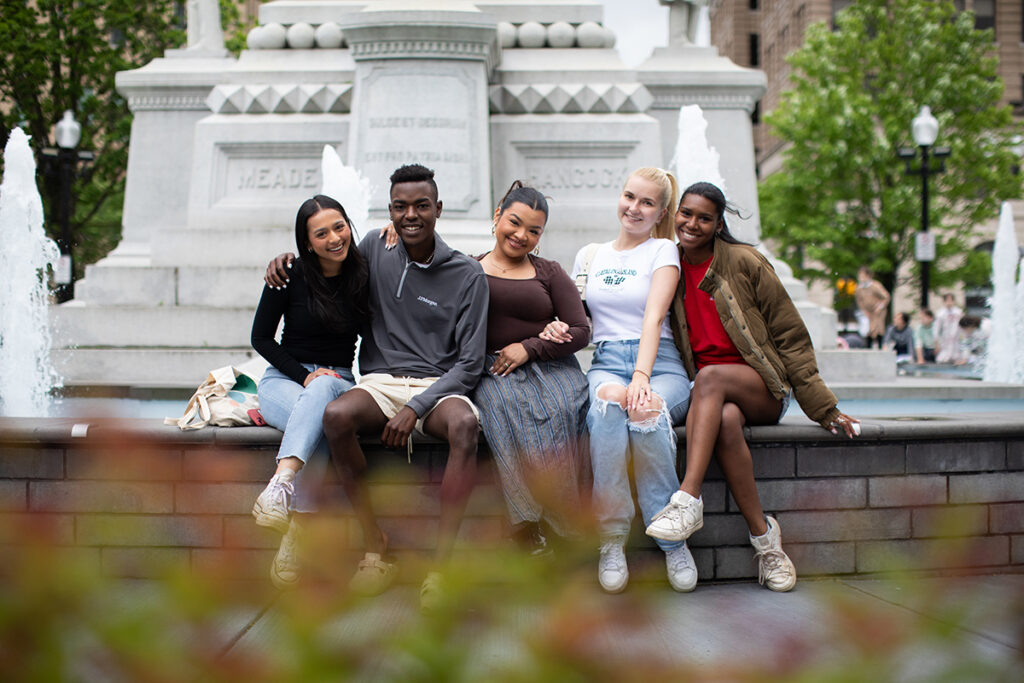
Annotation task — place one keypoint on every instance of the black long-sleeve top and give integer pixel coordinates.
(304, 338)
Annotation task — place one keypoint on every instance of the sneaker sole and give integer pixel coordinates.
(674, 537)
(682, 589)
(614, 590)
(271, 521)
(279, 583)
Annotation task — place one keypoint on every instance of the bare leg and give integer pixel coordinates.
(733, 455)
(708, 422)
(344, 419)
(289, 464)
(454, 421)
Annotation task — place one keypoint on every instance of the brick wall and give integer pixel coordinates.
(144, 500)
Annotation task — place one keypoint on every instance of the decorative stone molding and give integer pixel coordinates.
(530, 34)
(673, 98)
(298, 36)
(559, 34)
(570, 98)
(167, 102)
(440, 49)
(291, 98)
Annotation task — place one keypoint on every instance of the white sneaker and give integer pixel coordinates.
(682, 571)
(271, 507)
(284, 572)
(678, 520)
(774, 568)
(612, 572)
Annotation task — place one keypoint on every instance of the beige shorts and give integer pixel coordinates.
(392, 393)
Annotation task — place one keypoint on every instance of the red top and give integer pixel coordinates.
(708, 339)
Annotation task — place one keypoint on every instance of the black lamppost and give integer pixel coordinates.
(64, 162)
(925, 129)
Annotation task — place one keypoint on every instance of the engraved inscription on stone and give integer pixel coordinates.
(594, 178)
(440, 131)
(261, 174)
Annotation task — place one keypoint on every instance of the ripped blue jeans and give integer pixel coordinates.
(650, 443)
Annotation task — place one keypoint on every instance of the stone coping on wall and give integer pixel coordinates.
(990, 425)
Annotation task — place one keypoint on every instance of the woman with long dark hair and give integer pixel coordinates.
(324, 308)
(745, 344)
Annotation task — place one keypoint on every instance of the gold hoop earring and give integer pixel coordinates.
(494, 228)
(536, 250)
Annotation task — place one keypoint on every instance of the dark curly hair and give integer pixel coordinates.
(414, 173)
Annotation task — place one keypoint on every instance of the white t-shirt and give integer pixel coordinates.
(617, 286)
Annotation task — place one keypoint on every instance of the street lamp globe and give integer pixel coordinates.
(69, 131)
(924, 127)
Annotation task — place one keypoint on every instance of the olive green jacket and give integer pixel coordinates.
(763, 323)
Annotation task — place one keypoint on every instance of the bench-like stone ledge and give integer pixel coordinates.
(932, 493)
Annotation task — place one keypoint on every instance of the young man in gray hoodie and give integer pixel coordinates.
(425, 353)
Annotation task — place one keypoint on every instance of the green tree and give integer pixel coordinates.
(842, 198)
(64, 54)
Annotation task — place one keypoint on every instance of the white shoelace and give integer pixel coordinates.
(612, 557)
(281, 490)
(679, 561)
(768, 563)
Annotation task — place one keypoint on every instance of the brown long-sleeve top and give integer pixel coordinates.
(519, 310)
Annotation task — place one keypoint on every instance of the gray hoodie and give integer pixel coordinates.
(427, 321)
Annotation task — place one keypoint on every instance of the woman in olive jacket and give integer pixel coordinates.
(743, 340)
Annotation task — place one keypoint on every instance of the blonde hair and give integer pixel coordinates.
(665, 227)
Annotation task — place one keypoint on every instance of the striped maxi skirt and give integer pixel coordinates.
(534, 421)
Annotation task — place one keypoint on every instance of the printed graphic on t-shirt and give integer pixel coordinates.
(614, 277)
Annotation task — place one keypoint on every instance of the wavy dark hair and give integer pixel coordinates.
(355, 275)
(711, 192)
(524, 194)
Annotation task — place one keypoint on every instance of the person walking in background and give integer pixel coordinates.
(323, 309)
(900, 338)
(872, 299)
(947, 331)
(924, 337)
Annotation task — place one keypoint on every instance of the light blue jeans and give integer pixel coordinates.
(650, 444)
(299, 412)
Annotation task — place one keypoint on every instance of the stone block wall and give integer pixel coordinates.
(143, 500)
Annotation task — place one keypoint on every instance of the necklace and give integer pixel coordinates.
(490, 256)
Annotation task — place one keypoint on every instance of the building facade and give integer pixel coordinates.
(761, 33)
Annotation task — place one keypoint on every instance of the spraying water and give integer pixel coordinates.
(1004, 360)
(26, 375)
(348, 186)
(694, 159)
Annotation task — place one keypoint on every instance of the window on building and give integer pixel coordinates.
(755, 49)
(755, 4)
(984, 14)
(755, 116)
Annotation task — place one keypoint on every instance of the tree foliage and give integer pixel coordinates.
(843, 198)
(64, 54)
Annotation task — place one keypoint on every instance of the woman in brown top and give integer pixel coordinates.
(533, 398)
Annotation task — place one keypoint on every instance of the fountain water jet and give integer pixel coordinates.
(1004, 359)
(695, 159)
(348, 186)
(26, 375)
